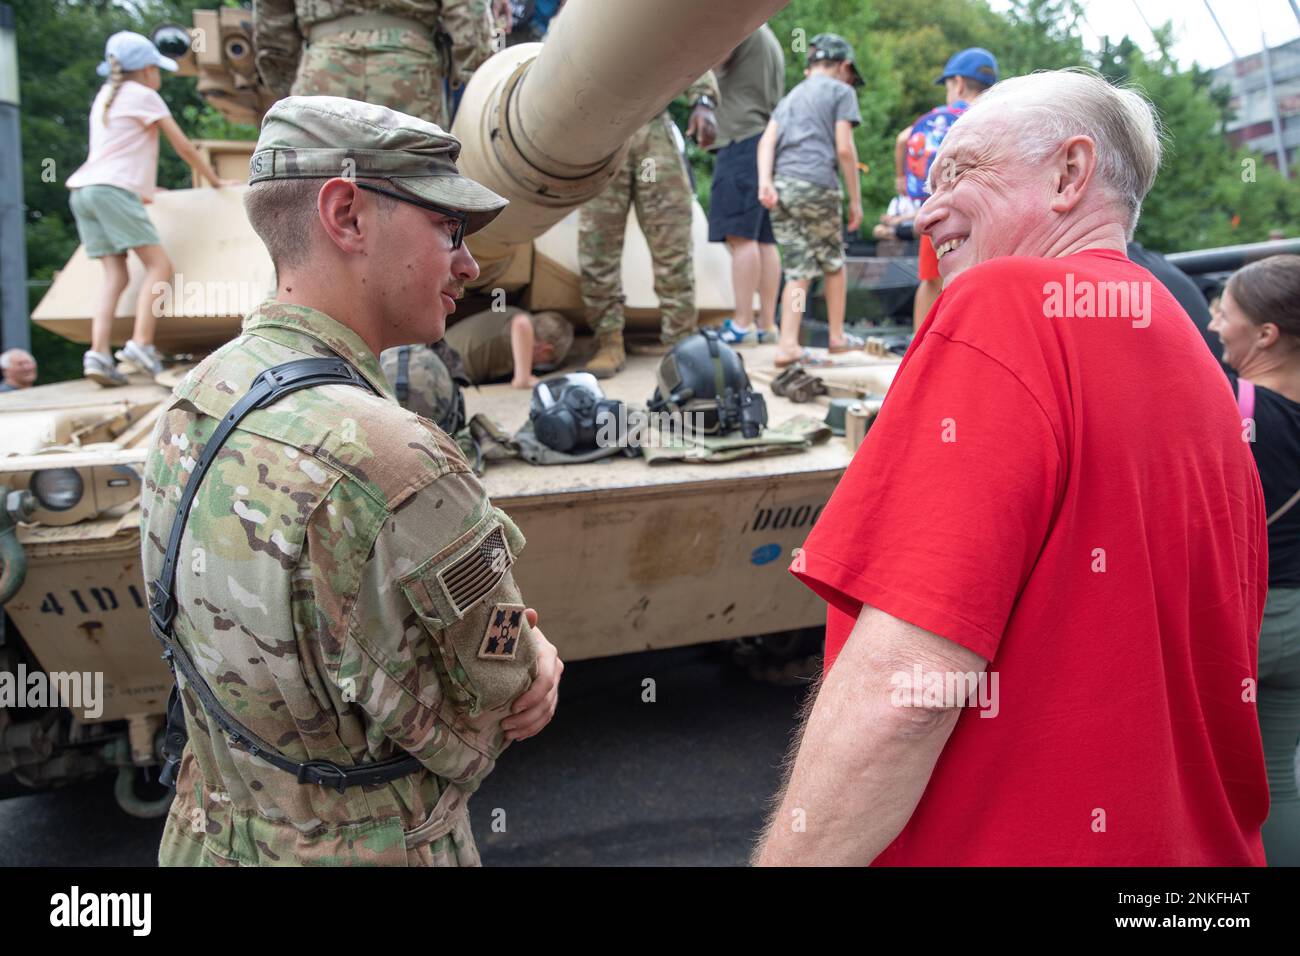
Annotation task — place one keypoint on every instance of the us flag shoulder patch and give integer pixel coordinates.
(501, 639)
(477, 572)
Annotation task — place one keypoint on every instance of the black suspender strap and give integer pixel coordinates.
(266, 389)
(402, 387)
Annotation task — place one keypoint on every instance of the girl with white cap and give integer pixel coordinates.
(110, 189)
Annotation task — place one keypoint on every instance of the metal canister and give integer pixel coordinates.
(857, 419)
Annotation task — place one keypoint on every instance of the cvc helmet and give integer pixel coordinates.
(704, 379)
(424, 385)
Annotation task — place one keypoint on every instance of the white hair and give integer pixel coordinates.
(8, 356)
(1053, 105)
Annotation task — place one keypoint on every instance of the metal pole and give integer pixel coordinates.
(15, 332)
(1222, 33)
(1272, 103)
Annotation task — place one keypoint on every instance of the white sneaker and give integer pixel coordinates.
(99, 367)
(145, 357)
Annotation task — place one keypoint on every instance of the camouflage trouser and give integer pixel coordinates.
(808, 228)
(654, 178)
(202, 831)
(400, 69)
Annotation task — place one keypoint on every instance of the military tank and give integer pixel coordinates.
(666, 557)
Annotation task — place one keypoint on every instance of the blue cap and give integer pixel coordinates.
(975, 63)
(133, 52)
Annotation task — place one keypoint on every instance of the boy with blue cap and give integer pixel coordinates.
(968, 74)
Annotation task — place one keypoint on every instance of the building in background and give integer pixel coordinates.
(1253, 127)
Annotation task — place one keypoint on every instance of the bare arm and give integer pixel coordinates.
(864, 759)
(766, 161)
(900, 150)
(504, 13)
(186, 150)
(521, 349)
(847, 153)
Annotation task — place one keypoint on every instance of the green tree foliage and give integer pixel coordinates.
(1208, 193)
(902, 46)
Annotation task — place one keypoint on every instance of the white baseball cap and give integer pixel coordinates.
(134, 52)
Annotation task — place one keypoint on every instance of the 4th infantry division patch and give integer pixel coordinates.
(501, 640)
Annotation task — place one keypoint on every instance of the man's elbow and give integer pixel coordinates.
(927, 699)
(913, 722)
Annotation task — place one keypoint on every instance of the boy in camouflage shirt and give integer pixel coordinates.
(809, 132)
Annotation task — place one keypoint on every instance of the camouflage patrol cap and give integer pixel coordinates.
(833, 47)
(320, 137)
(423, 384)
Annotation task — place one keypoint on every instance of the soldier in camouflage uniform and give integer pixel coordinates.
(654, 178)
(344, 584)
(392, 52)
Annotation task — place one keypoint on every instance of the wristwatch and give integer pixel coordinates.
(705, 100)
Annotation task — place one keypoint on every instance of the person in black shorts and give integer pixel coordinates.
(751, 82)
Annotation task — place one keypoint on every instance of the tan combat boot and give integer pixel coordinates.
(610, 357)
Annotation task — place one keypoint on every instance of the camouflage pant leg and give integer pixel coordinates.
(808, 229)
(601, 224)
(400, 69)
(457, 848)
(180, 848)
(664, 209)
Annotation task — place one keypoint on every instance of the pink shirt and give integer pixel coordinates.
(124, 152)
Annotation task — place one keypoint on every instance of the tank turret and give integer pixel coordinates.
(544, 124)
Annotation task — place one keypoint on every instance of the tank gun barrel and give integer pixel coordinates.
(546, 125)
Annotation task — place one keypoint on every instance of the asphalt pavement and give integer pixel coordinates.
(615, 780)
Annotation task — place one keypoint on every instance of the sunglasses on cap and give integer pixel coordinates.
(459, 217)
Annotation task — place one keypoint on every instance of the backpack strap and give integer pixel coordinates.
(1246, 397)
(1246, 406)
(1290, 503)
(402, 386)
(267, 388)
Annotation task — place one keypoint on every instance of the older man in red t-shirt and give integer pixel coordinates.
(1045, 568)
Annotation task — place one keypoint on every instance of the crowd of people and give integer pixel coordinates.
(1073, 509)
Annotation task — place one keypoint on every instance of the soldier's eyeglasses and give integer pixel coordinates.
(458, 217)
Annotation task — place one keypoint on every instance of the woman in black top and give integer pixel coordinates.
(1259, 325)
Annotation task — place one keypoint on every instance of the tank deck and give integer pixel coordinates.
(516, 479)
(621, 556)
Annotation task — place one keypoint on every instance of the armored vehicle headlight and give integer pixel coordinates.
(171, 40)
(58, 489)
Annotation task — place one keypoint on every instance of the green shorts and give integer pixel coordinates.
(807, 225)
(111, 220)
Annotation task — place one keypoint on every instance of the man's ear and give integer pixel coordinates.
(1076, 161)
(337, 207)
